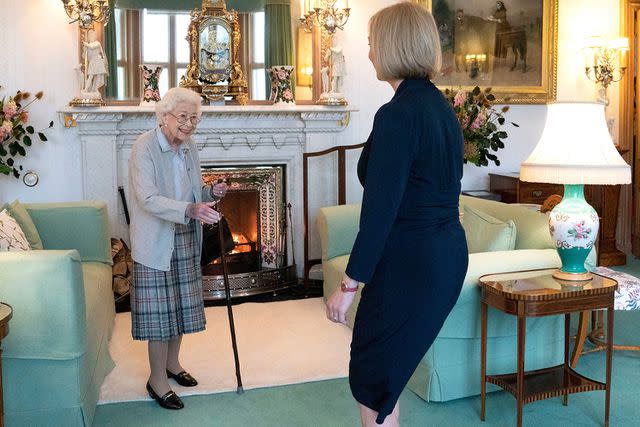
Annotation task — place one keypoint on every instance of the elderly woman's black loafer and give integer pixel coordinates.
(169, 401)
(183, 378)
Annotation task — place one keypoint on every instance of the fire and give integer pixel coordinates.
(241, 243)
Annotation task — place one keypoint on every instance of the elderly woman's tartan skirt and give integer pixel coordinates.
(166, 304)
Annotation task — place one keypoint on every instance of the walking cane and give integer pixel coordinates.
(232, 328)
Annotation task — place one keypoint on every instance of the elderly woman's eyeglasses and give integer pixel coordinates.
(183, 118)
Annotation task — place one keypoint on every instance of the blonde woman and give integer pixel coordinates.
(168, 206)
(411, 250)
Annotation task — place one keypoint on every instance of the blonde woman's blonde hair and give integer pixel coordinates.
(405, 42)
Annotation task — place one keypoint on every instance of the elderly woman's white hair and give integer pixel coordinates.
(172, 98)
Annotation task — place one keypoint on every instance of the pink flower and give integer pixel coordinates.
(287, 94)
(480, 120)
(6, 129)
(459, 99)
(10, 109)
(282, 75)
(148, 94)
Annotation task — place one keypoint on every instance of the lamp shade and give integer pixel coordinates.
(575, 148)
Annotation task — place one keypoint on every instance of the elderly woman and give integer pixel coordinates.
(168, 206)
(410, 250)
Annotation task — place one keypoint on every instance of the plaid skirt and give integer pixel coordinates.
(166, 304)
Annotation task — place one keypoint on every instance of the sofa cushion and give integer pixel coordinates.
(533, 227)
(12, 237)
(486, 233)
(22, 217)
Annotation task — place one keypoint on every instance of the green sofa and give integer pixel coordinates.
(451, 367)
(56, 354)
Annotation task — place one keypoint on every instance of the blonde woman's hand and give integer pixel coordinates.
(203, 211)
(339, 302)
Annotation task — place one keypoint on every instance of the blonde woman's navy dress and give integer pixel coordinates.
(411, 250)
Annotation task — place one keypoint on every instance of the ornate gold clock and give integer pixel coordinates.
(214, 39)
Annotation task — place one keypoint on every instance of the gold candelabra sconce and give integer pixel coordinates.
(606, 61)
(476, 63)
(93, 66)
(328, 14)
(86, 12)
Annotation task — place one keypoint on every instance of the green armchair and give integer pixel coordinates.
(56, 355)
(451, 367)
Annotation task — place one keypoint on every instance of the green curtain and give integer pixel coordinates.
(110, 50)
(278, 49)
(237, 5)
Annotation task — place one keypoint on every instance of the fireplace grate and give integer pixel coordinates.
(251, 283)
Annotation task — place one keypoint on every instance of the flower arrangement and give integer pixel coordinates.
(15, 132)
(480, 124)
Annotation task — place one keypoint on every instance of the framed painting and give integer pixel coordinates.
(508, 45)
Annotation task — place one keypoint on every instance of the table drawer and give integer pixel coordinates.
(535, 192)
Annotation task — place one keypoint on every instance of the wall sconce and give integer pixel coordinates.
(476, 63)
(330, 14)
(86, 12)
(605, 61)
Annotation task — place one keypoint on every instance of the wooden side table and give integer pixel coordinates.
(537, 293)
(5, 315)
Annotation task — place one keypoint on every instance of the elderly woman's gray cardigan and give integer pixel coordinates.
(154, 212)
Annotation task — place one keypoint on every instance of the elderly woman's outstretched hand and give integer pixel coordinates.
(219, 190)
(203, 212)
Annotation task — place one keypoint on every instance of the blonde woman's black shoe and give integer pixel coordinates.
(183, 378)
(169, 401)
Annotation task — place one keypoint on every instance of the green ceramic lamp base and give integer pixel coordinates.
(573, 224)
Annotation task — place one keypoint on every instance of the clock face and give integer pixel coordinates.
(30, 179)
(215, 51)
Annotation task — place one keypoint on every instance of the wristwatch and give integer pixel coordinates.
(345, 288)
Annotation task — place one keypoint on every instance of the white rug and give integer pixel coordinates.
(279, 343)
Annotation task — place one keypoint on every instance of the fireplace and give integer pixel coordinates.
(101, 141)
(255, 208)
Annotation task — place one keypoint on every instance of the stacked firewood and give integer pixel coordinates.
(122, 267)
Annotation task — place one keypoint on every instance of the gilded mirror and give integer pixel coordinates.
(155, 33)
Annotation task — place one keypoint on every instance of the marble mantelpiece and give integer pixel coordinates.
(226, 136)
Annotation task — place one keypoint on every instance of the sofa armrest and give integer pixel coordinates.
(83, 226)
(338, 227)
(46, 290)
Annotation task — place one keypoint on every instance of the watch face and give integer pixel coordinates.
(30, 179)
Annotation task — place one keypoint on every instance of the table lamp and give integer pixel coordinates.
(575, 149)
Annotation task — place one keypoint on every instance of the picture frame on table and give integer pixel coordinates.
(508, 45)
